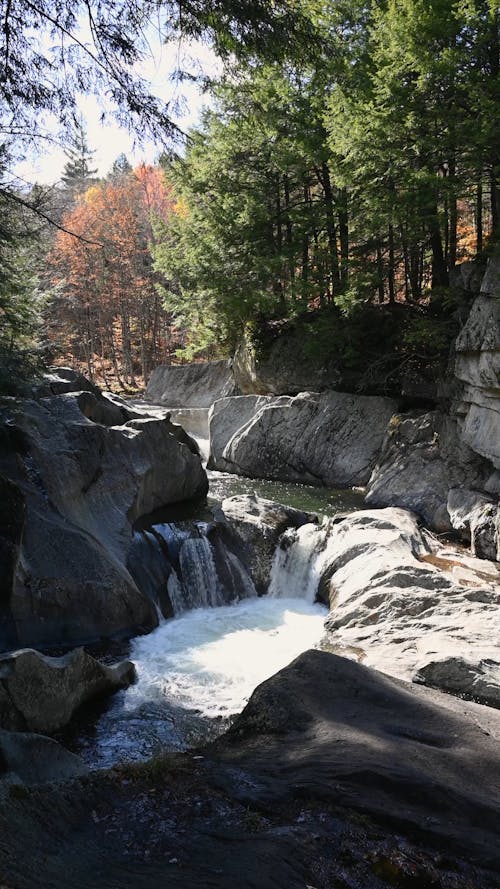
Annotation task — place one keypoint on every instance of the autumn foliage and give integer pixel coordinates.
(105, 314)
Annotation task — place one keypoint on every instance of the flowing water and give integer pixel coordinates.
(198, 669)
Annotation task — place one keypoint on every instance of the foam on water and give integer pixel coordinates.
(211, 659)
(194, 672)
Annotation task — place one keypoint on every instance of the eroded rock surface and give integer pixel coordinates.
(422, 458)
(195, 385)
(328, 439)
(75, 487)
(41, 694)
(477, 366)
(27, 758)
(401, 602)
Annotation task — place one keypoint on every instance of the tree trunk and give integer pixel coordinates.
(392, 293)
(344, 237)
(479, 216)
(330, 227)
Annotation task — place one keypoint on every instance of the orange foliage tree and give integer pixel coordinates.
(105, 312)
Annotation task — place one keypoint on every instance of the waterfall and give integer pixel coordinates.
(296, 567)
(199, 574)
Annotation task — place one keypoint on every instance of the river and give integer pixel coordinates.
(198, 669)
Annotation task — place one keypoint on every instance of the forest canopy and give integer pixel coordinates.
(351, 160)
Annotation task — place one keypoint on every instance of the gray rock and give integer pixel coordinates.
(328, 439)
(401, 601)
(59, 380)
(226, 417)
(79, 487)
(422, 458)
(473, 681)
(477, 366)
(27, 758)
(191, 385)
(475, 517)
(259, 524)
(330, 729)
(41, 694)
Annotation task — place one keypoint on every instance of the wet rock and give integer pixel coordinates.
(195, 385)
(328, 439)
(259, 524)
(41, 694)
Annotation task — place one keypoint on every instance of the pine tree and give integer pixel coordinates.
(77, 174)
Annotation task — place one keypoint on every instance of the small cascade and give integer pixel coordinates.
(296, 568)
(176, 593)
(199, 574)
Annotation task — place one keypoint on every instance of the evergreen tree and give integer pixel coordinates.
(77, 174)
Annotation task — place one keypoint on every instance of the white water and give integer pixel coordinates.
(194, 672)
(211, 659)
(297, 563)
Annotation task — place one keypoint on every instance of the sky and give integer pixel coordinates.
(110, 140)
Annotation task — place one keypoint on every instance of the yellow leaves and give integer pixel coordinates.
(180, 208)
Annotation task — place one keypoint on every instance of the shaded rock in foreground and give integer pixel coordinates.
(369, 783)
(41, 694)
(329, 729)
(34, 759)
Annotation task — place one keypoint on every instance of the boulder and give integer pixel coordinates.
(27, 758)
(401, 602)
(328, 730)
(59, 380)
(226, 417)
(259, 524)
(41, 694)
(195, 385)
(78, 485)
(328, 439)
(422, 458)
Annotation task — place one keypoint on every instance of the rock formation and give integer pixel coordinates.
(333, 775)
(41, 694)
(191, 385)
(72, 486)
(259, 524)
(325, 439)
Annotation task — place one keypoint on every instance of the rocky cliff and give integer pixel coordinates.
(75, 473)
